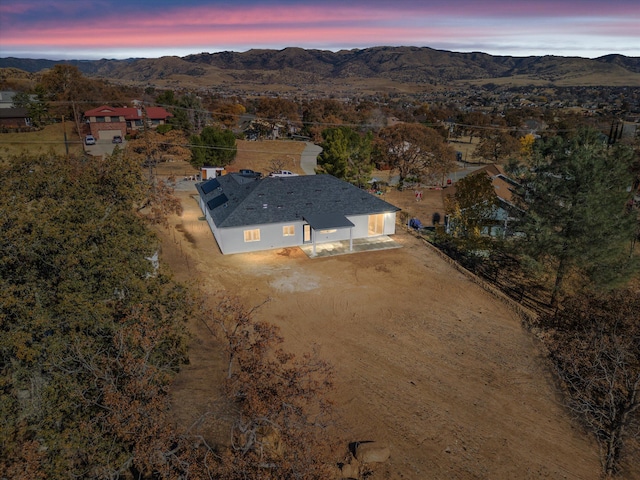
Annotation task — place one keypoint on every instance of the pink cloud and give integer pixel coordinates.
(354, 24)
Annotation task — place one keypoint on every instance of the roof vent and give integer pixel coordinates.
(264, 205)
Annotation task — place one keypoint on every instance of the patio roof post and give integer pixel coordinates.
(351, 239)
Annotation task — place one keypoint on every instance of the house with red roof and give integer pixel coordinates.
(106, 122)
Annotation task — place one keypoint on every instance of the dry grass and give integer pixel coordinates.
(258, 156)
(262, 155)
(466, 146)
(49, 139)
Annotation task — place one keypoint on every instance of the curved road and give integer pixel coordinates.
(309, 158)
(309, 162)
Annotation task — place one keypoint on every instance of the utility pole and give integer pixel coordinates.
(66, 144)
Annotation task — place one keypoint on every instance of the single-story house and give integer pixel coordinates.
(507, 212)
(250, 214)
(107, 122)
(6, 98)
(14, 117)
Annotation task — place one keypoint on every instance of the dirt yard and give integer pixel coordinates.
(426, 361)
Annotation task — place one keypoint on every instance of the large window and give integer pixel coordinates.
(288, 231)
(376, 224)
(252, 235)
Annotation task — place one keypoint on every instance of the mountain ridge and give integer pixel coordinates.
(401, 65)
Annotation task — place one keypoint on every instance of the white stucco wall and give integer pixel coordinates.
(231, 240)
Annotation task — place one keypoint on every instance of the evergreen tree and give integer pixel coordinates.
(213, 147)
(347, 155)
(575, 199)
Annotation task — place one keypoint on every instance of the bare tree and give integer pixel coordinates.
(594, 343)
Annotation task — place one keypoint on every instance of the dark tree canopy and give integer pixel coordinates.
(214, 147)
(575, 199)
(346, 154)
(91, 333)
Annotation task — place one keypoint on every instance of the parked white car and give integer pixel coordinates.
(283, 173)
(89, 140)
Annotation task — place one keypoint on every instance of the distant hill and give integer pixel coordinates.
(394, 65)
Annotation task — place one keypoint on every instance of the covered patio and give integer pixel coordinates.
(345, 247)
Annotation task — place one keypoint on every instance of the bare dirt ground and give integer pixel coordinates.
(426, 361)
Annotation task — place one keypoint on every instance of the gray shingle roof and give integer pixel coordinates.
(278, 200)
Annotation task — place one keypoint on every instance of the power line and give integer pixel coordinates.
(320, 124)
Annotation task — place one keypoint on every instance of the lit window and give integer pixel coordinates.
(328, 231)
(288, 231)
(376, 224)
(252, 235)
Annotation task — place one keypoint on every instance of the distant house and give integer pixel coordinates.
(255, 128)
(107, 122)
(6, 99)
(248, 214)
(507, 213)
(14, 118)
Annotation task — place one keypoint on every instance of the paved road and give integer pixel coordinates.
(102, 147)
(462, 171)
(309, 158)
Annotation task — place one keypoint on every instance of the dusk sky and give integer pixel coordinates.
(80, 29)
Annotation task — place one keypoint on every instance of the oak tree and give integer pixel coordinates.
(283, 408)
(472, 206)
(496, 146)
(91, 331)
(414, 151)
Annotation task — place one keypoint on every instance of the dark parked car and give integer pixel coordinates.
(245, 172)
(116, 139)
